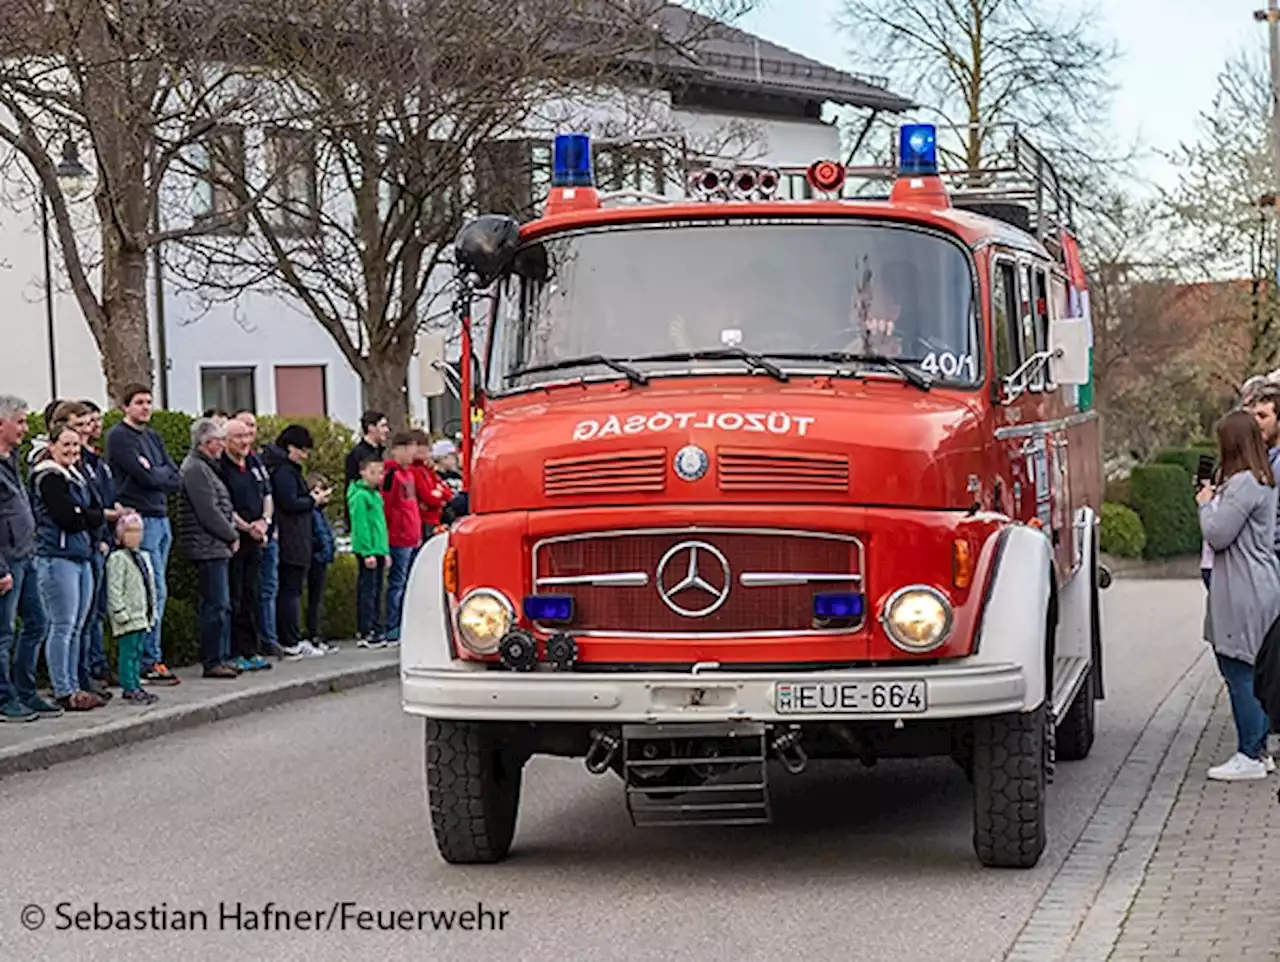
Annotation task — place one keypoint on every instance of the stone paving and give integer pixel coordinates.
(1212, 888)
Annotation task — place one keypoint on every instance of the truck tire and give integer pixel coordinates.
(1010, 761)
(473, 790)
(1075, 731)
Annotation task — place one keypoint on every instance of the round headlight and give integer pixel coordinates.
(484, 616)
(917, 618)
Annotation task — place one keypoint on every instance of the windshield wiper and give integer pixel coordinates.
(910, 373)
(755, 361)
(630, 373)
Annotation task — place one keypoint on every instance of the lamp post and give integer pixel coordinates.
(74, 180)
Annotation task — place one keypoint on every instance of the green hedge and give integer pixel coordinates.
(1164, 498)
(1118, 491)
(180, 633)
(1187, 458)
(1122, 534)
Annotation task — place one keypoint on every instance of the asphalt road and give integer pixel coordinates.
(322, 802)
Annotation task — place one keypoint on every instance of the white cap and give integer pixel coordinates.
(443, 448)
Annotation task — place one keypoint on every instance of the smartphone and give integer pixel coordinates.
(1204, 470)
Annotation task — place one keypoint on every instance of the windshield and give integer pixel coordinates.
(790, 292)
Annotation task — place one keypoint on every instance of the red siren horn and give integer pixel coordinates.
(826, 176)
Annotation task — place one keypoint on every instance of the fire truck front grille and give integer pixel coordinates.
(748, 470)
(633, 472)
(699, 581)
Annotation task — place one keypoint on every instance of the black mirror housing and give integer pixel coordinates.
(486, 245)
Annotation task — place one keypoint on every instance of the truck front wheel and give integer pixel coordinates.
(1010, 762)
(473, 790)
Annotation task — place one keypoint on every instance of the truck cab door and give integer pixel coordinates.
(1015, 467)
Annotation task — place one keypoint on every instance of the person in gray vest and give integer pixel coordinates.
(19, 583)
(207, 537)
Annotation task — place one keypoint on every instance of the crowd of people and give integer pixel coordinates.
(86, 540)
(1240, 566)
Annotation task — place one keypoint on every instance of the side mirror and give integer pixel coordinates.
(485, 246)
(1069, 351)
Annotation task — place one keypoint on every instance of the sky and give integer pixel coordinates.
(1170, 55)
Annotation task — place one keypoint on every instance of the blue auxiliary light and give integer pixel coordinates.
(837, 605)
(571, 161)
(918, 150)
(549, 609)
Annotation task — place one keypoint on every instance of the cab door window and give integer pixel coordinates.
(1039, 303)
(1004, 314)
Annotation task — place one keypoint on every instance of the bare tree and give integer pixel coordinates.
(985, 63)
(115, 75)
(1222, 225)
(393, 121)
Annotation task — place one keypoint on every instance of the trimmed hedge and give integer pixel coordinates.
(1118, 491)
(1121, 534)
(180, 635)
(1187, 458)
(1164, 498)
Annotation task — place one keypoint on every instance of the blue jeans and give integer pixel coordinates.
(157, 541)
(270, 575)
(215, 612)
(93, 660)
(1251, 721)
(22, 601)
(397, 581)
(67, 589)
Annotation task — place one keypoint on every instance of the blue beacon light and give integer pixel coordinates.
(918, 150)
(571, 161)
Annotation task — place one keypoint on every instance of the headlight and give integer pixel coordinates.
(917, 618)
(484, 616)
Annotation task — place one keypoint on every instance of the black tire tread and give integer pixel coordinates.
(1009, 787)
(1076, 729)
(473, 791)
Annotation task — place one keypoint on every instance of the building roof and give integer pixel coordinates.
(727, 58)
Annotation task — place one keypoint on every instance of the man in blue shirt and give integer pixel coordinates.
(145, 476)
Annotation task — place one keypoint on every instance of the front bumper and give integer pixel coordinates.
(957, 690)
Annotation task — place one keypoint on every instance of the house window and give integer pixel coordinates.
(425, 184)
(222, 193)
(227, 389)
(300, 391)
(291, 162)
(631, 167)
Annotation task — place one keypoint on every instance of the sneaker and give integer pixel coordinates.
(327, 648)
(140, 697)
(42, 707)
(241, 664)
(1270, 763)
(159, 675)
(258, 663)
(99, 691)
(292, 651)
(309, 650)
(221, 671)
(15, 711)
(391, 643)
(1239, 768)
(371, 643)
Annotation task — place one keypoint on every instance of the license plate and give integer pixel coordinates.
(851, 698)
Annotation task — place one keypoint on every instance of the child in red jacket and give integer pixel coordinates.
(404, 526)
(433, 494)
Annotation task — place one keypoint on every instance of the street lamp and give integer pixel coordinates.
(75, 182)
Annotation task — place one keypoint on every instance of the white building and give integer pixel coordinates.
(265, 352)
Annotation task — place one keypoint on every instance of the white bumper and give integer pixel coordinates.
(955, 691)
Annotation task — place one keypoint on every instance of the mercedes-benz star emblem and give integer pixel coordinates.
(691, 463)
(694, 575)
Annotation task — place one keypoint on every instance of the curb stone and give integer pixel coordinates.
(1121, 816)
(64, 747)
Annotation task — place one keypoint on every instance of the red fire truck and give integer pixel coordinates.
(759, 481)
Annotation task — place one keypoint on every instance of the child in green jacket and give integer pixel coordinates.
(131, 605)
(372, 548)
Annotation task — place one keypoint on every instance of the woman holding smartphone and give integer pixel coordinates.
(1237, 518)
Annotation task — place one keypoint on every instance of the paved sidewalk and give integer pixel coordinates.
(1210, 890)
(196, 701)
